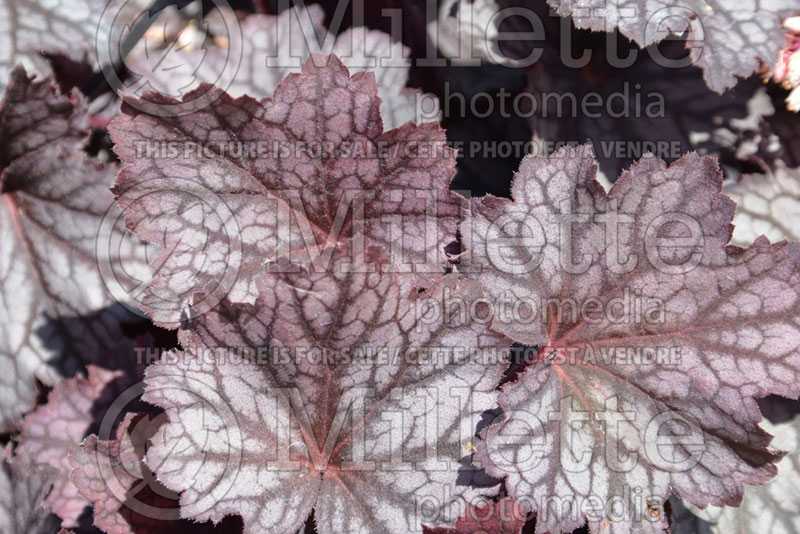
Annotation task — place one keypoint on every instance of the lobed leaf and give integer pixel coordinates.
(54, 429)
(126, 497)
(22, 492)
(56, 310)
(654, 340)
(32, 27)
(233, 188)
(321, 396)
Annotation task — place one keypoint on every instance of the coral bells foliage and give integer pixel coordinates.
(623, 411)
(346, 415)
(56, 314)
(655, 336)
(287, 177)
(338, 360)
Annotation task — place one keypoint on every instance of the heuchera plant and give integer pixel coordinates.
(246, 285)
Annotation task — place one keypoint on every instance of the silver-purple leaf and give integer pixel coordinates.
(363, 50)
(726, 38)
(55, 309)
(288, 178)
(654, 340)
(126, 496)
(54, 429)
(105, 472)
(374, 437)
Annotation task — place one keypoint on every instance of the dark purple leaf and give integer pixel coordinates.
(626, 111)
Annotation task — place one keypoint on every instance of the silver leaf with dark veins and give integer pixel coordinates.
(773, 508)
(592, 418)
(275, 46)
(55, 310)
(281, 178)
(767, 204)
(373, 436)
